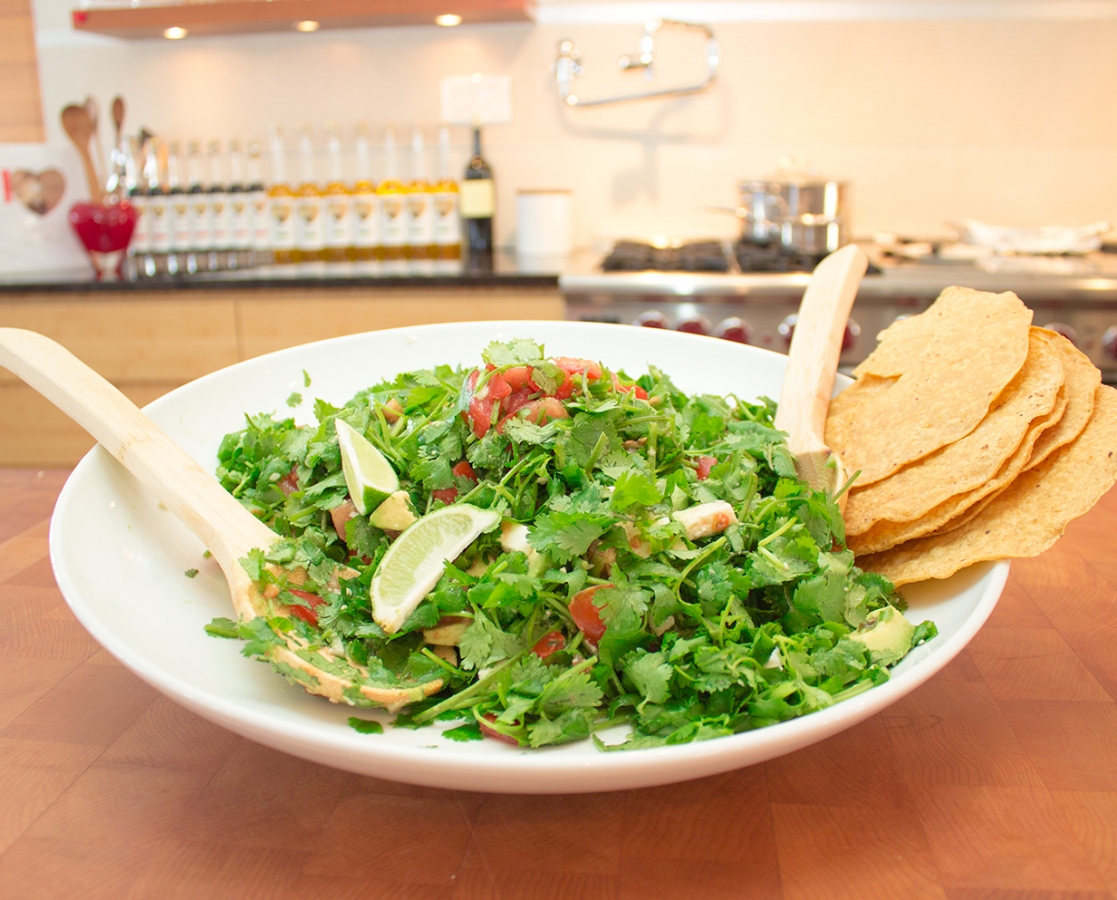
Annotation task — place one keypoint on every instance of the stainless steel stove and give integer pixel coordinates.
(717, 289)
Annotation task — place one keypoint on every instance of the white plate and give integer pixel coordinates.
(120, 561)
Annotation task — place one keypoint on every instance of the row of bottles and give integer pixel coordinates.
(219, 214)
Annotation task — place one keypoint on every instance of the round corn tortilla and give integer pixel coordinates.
(938, 372)
(1080, 385)
(884, 534)
(971, 461)
(1027, 518)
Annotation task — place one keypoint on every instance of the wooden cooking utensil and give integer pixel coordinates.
(226, 528)
(816, 345)
(118, 117)
(94, 109)
(78, 125)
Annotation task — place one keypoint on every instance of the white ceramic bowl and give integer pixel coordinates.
(120, 561)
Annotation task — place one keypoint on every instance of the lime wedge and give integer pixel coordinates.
(415, 562)
(368, 475)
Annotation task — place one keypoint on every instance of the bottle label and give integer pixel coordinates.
(158, 224)
(219, 214)
(201, 234)
(393, 220)
(447, 222)
(366, 220)
(141, 235)
(339, 220)
(280, 211)
(477, 198)
(260, 218)
(179, 211)
(240, 220)
(420, 219)
(310, 224)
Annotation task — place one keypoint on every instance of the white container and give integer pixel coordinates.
(544, 222)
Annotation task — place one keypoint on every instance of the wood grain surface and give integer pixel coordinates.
(997, 780)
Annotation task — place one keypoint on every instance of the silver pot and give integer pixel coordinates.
(801, 215)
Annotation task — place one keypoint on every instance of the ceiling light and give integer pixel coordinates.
(174, 33)
(307, 25)
(448, 20)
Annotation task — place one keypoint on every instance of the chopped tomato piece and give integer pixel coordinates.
(586, 615)
(518, 399)
(566, 387)
(551, 642)
(342, 514)
(641, 394)
(519, 377)
(480, 406)
(574, 366)
(498, 387)
(544, 409)
(493, 733)
(306, 613)
(464, 470)
(446, 495)
(703, 465)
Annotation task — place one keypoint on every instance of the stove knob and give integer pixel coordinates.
(852, 333)
(1065, 330)
(694, 325)
(734, 329)
(1109, 341)
(787, 328)
(652, 320)
(849, 337)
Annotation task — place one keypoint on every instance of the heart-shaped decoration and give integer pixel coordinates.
(40, 192)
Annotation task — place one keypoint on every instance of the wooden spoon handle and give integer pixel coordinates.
(816, 346)
(191, 493)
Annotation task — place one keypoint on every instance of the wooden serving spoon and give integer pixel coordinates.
(94, 109)
(816, 345)
(78, 125)
(225, 527)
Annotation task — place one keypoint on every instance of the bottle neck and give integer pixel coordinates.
(477, 143)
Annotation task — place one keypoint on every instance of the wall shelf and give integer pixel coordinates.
(259, 16)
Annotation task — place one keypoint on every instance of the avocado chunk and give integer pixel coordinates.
(395, 513)
(886, 634)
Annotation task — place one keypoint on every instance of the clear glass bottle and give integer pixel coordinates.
(310, 232)
(366, 207)
(218, 207)
(139, 248)
(281, 203)
(158, 213)
(392, 196)
(259, 213)
(337, 204)
(240, 211)
(201, 235)
(447, 221)
(178, 208)
(420, 206)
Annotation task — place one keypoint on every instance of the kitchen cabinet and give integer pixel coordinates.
(21, 118)
(147, 343)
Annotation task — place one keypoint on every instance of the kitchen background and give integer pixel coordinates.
(1000, 111)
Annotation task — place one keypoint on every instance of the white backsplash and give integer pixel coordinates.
(1007, 121)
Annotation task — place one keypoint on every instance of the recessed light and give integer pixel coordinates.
(448, 20)
(307, 25)
(174, 33)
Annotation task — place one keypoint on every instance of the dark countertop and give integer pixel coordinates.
(507, 271)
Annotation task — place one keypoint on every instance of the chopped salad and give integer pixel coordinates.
(651, 558)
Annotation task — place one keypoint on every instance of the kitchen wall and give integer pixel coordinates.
(1005, 119)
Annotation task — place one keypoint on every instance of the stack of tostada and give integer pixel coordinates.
(974, 436)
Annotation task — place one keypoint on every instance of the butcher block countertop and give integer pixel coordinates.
(996, 780)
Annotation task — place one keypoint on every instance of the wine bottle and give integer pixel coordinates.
(310, 231)
(178, 215)
(260, 248)
(217, 203)
(477, 198)
(420, 210)
(158, 213)
(392, 196)
(240, 211)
